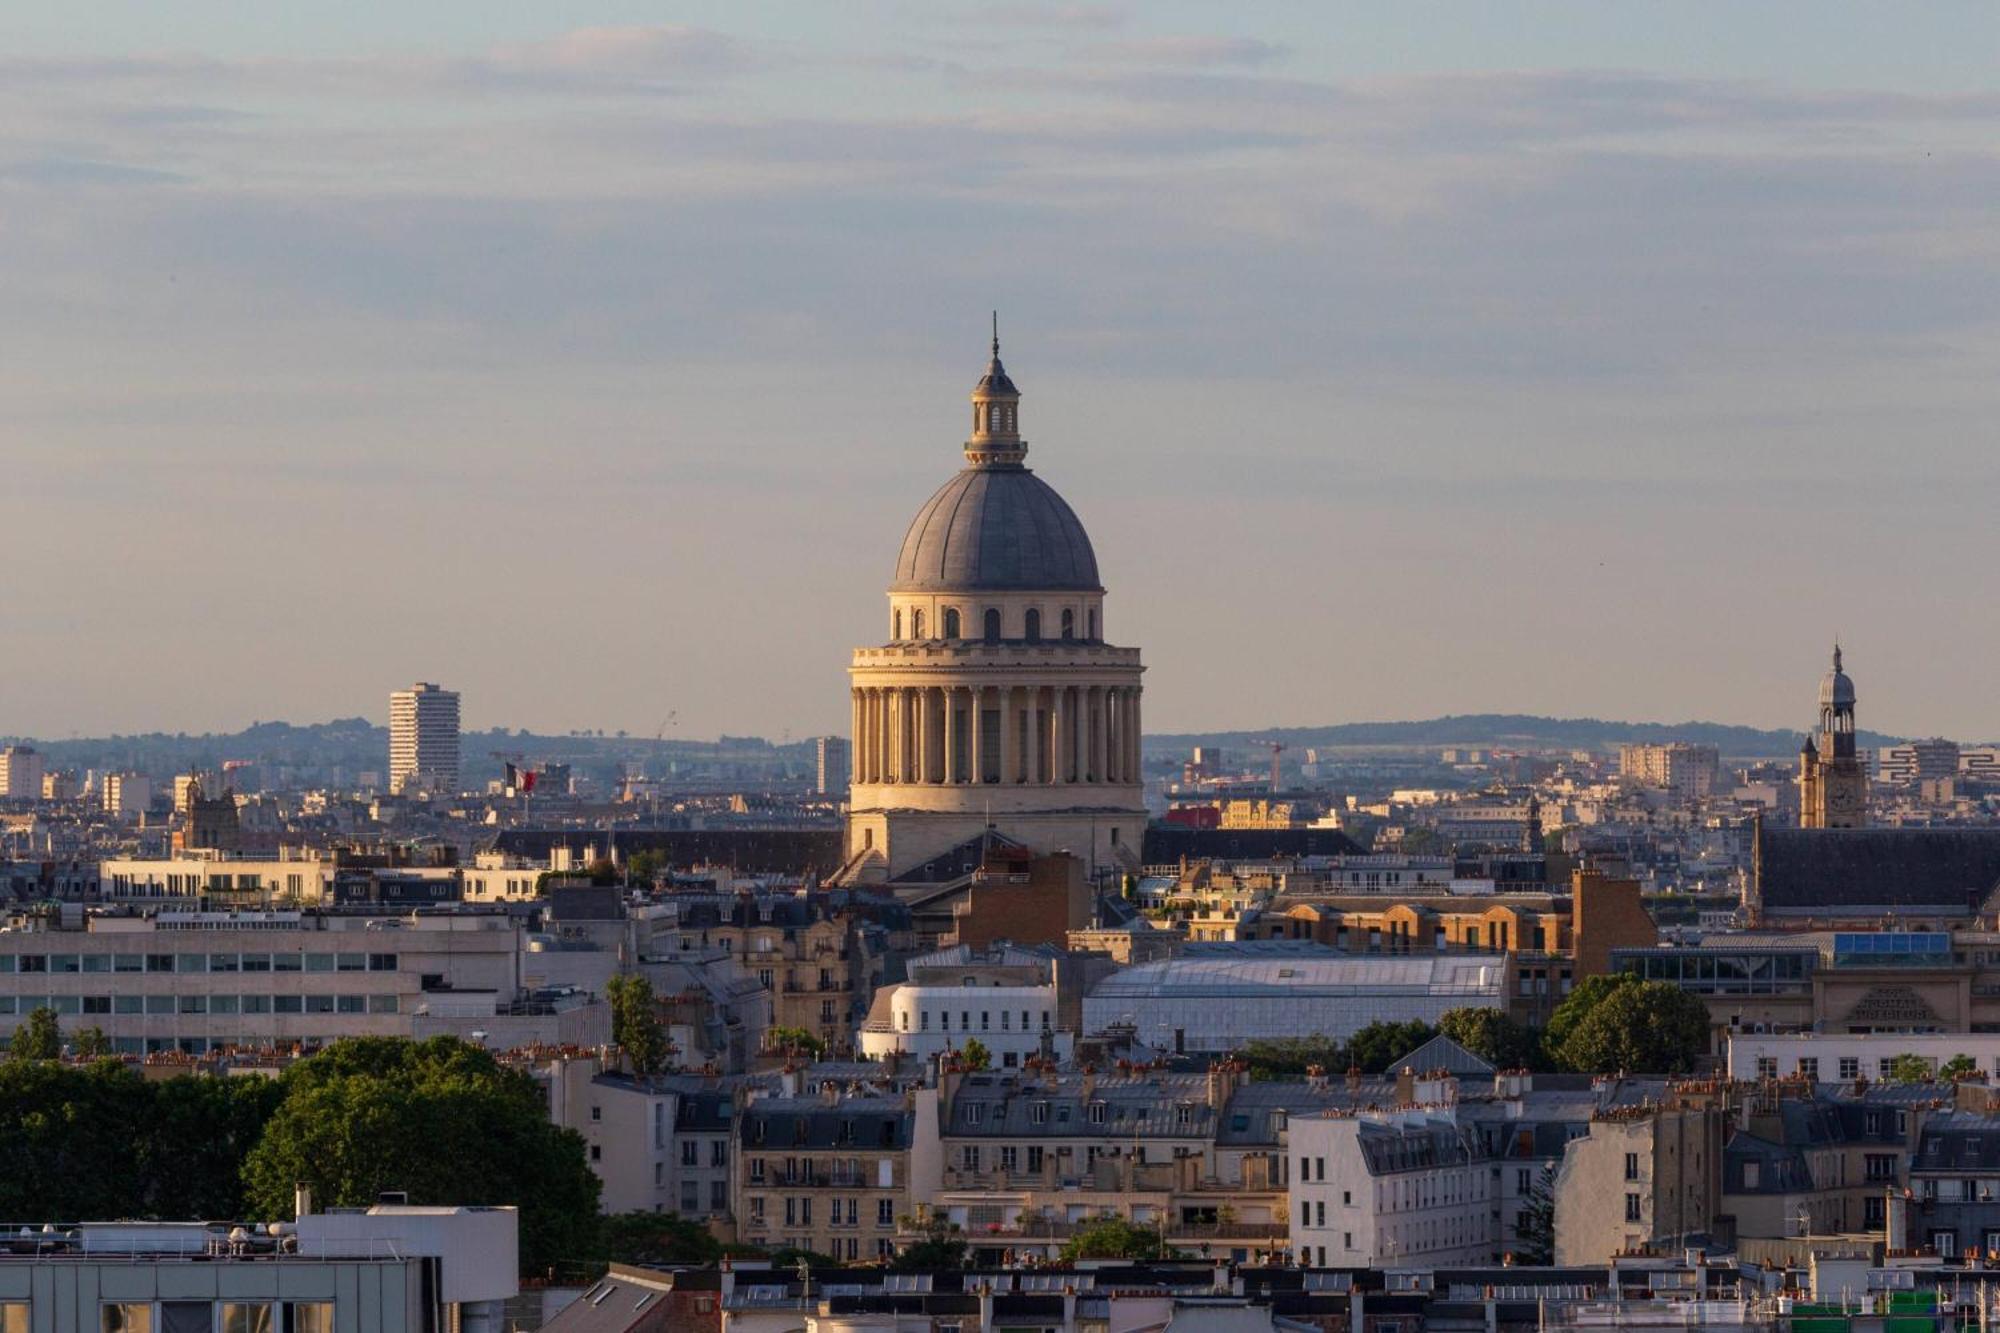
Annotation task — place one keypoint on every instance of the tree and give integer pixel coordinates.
(658, 1238)
(1491, 1035)
(1911, 1069)
(790, 1256)
(92, 1044)
(1379, 1045)
(1957, 1067)
(1649, 1027)
(40, 1038)
(1535, 1229)
(794, 1041)
(974, 1055)
(440, 1119)
(636, 1025)
(199, 1130)
(1115, 1238)
(1271, 1059)
(1584, 997)
(940, 1249)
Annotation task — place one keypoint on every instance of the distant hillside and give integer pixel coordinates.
(1514, 731)
(347, 746)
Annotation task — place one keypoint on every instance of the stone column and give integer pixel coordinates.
(1097, 733)
(920, 704)
(864, 739)
(1059, 735)
(854, 736)
(1031, 735)
(975, 705)
(1113, 737)
(1079, 715)
(952, 738)
(1133, 737)
(1007, 746)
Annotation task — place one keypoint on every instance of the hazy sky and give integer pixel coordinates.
(1401, 358)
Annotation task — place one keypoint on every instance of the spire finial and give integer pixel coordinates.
(1836, 652)
(996, 333)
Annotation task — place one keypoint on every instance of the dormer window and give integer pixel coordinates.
(1097, 1113)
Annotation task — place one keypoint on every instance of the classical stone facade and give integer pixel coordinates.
(996, 699)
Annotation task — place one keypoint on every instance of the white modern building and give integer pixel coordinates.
(1216, 998)
(1011, 1022)
(1399, 1189)
(386, 1269)
(1835, 1057)
(195, 982)
(423, 740)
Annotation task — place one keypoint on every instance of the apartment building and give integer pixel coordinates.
(1410, 1187)
(658, 1144)
(1687, 771)
(424, 740)
(1030, 1158)
(833, 1174)
(21, 773)
(816, 961)
(1645, 1175)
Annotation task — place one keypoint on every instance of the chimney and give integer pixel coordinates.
(302, 1200)
(788, 1081)
(1354, 1080)
(1316, 1078)
(1406, 1086)
(985, 1307)
(1069, 1307)
(1089, 1082)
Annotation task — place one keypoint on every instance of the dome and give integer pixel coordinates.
(1835, 689)
(996, 529)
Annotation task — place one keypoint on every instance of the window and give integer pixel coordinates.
(1881, 1166)
(992, 626)
(1767, 1066)
(1033, 632)
(1631, 1166)
(1632, 1208)
(916, 624)
(951, 622)
(885, 1212)
(308, 1317)
(1850, 1068)
(1068, 623)
(134, 1318)
(896, 623)
(718, 1152)
(1809, 1067)
(13, 1317)
(690, 1151)
(239, 1317)
(1097, 1113)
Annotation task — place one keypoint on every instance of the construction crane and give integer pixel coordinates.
(1277, 773)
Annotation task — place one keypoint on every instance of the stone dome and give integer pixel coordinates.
(996, 529)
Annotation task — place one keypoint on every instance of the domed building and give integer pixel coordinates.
(996, 701)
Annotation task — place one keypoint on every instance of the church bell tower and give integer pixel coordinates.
(1833, 787)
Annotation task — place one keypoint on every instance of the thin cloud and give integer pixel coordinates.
(651, 51)
(1196, 52)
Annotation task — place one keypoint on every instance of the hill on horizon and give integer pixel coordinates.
(356, 742)
(1516, 731)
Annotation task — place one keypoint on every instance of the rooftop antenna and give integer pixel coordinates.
(996, 333)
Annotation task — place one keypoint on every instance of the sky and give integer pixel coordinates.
(1402, 358)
